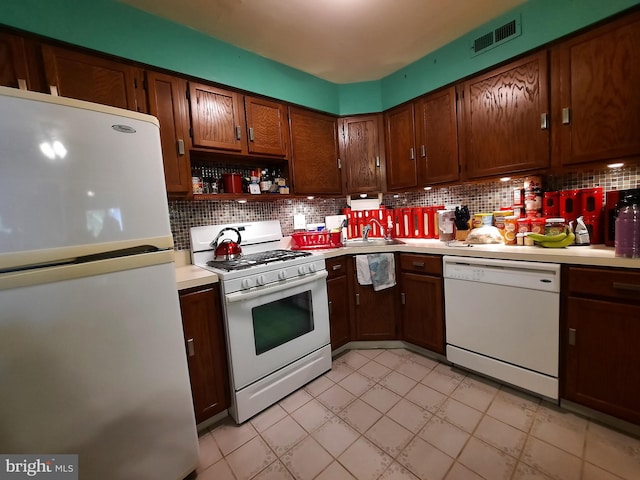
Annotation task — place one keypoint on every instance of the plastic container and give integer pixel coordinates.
(480, 219)
(627, 240)
(524, 225)
(554, 226)
(538, 224)
(232, 182)
(315, 240)
(446, 231)
(510, 229)
(591, 201)
(569, 204)
(550, 204)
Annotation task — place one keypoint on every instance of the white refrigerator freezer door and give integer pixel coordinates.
(97, 366)
(70, 176)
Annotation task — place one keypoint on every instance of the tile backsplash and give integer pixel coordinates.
(479, 197)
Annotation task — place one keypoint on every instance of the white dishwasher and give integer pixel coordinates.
(502, 320)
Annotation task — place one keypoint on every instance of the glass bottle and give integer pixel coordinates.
(627, 240)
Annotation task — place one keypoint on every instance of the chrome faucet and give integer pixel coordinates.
(367, 228)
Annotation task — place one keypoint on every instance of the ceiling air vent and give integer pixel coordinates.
(496, 37)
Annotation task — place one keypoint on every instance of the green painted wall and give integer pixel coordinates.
(115, 28)
(542, 22)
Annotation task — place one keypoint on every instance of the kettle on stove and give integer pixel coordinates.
(227, 249)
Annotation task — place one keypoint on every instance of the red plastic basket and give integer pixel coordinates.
(313, 240)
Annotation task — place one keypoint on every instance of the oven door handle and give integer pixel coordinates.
(267, 289)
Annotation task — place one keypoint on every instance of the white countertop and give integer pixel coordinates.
(189, 276)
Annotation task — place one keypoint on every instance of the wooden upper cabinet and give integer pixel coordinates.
(217, 118)
(94, 79)
(505, 125)
(267, 127)
(314, 150)
(168, 102)
(361, 153)
(437, 137)
(400, 143)
(595, 94)
(14, 70)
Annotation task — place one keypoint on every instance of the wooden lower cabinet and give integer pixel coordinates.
(421, 298)
(206, 350)
(375, 313)
(600, 331)
(337, 290)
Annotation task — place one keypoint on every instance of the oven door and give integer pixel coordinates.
(270, 327)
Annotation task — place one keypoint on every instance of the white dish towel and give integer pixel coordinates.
(377, 269)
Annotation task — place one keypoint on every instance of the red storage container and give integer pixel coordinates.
(315, 240)
(569, 205)
(550, 204)
(591, 201)
(418, 223)
(397, 222)
(595, 225)
(406, 224)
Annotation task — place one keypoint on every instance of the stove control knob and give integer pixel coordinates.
(312, 267)
(282, 275)
(302, 270)
(260, 280)
(247, 283)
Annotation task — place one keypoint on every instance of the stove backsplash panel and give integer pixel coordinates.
(479, 197)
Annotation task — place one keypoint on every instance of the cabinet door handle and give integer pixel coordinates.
(238, 132)
(337, 266)
(377, 161)
(626, 286)
(180, 146)
(544, 121)
(418, 264)
(412, 155)
(572, 336)
(403, 298)
(251, 134)
(22, 84)
(357, 299)
(423, 151)
(566, 115)
(330, 305)
(191, 349)
(339, 163)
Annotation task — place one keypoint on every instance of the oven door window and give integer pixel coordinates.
(278, 322)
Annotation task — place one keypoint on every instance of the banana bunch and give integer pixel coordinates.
(559, 240)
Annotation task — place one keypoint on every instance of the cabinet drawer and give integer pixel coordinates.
(336, 267)
(619, 284)
(429, 264)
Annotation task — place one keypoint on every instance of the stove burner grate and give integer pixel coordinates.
(253, 259)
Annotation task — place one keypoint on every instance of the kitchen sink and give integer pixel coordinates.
(372, 242)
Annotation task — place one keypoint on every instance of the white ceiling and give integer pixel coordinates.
(342, 41)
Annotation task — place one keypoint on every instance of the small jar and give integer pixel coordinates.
(524, 225)
(538, 224)
(554, 226)
(510, 229)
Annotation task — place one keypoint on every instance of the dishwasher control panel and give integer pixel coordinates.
(513, 273)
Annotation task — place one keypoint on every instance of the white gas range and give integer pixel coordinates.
(275, 311)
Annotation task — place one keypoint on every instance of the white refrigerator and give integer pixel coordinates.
(92, 357)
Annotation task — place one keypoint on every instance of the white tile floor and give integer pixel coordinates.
(395, 415)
